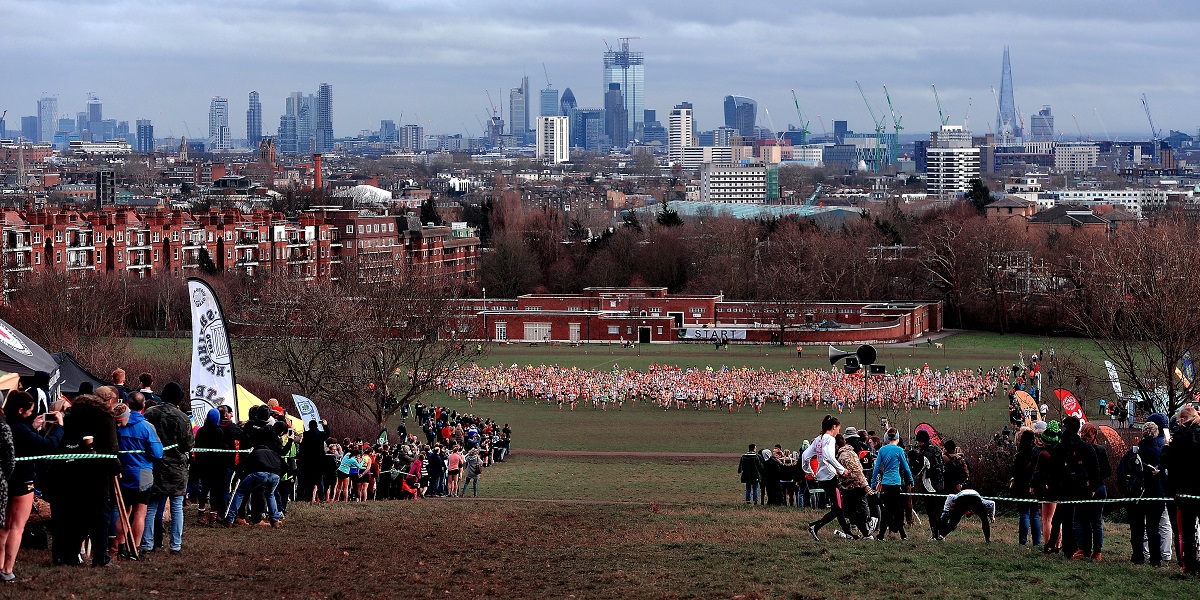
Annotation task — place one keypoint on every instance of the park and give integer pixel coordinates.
(634, 501)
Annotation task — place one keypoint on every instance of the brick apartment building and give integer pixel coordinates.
(322, 243)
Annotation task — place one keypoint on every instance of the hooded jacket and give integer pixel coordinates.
(137, 468)
(212, 435)
(174, 429)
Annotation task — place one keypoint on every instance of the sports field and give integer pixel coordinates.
(632, 503)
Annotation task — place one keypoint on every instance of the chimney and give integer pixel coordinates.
(318, 181)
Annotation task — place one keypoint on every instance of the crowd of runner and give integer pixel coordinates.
(118, 464)
(725, 388)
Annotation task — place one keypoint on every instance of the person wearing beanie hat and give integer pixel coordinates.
(1181, 461)
(1044, 483)
(930, 477)
(1077, 476)
(174, 429)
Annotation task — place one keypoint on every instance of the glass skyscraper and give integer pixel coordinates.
(740, 114)
(254, 121)
(621, 66)
(218, 125)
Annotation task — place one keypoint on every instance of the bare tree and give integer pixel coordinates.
(1137, 304)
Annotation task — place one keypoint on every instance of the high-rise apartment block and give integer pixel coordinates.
(549, 105)
(1041, 126)
(47, 119)
(324, 119)
(951, 162)
(219, 139)
(412, 138)
(553, 140)
(679, 132)
(627, 68)
(254, 121)
(145, 136)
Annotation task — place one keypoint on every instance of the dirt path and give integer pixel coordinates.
(620, 454)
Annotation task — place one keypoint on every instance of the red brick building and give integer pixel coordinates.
(651, 315)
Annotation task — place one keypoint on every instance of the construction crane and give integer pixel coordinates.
(967, 117)
(824, 132)
(547, 75)
(1154, 132)
(944, 118)
(998, 114)
(892, 109)
(1103, 127)
(1077, 127)
(879, 127)
(813, 197)
(800, 118)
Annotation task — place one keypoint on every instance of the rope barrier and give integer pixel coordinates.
(1036, 501)
(78, 456)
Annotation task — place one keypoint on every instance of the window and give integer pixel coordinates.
(175, 254)
(614, 330)
(210, 236)
(58, 237)
(37, 258)
(120, 257)
(157, 237)
(573, 308)
(156, 256)
(349, 229)
(533, 308)
(501, 330)
(350, 244)
(58, 256)
(360, 228)
(629, 329)
(37, 238)
(660, 330)
(174, 236)
(391, 227)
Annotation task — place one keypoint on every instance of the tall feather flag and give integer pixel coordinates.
(934, 437)
(213, 382)
(1070, 404)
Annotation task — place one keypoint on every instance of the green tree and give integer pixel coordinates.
(668, 217)
(429, 212)
(979, 195)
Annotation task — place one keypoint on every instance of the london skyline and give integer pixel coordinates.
(433, 61)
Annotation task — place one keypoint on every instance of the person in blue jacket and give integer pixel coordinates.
(890, 474)
(140, 448)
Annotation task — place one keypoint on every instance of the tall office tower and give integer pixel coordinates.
(81, 124)
(287, 134)
(65, 125)
(586, 129)
(628, 69)
(324, 119)
(679, 131)
(839, 132)
(518, 111)
(616, 121)
(145, 136)
(95, 117)
(47, 118)
(553, 140)
(254, 121)
(29, 128)
(566, 103)
(304, 109)
(388, 133)
(1041, 125)
(1007, 126)
(653, 131)
(550, 107)
(740, 113)
(218, 125)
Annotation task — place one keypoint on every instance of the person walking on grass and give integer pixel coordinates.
(890, 476)
(750, 468)
(854, 487)
(473, 467)
(820, 461)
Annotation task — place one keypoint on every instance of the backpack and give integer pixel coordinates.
(1133, 480)
(1072, 475)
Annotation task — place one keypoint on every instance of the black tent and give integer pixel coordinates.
(21, 355)
(71, 374)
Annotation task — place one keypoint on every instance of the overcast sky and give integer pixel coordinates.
(433, 60)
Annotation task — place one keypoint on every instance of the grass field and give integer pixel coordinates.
(510, 549)
(560, 525)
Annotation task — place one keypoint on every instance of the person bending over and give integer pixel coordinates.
(968, 501)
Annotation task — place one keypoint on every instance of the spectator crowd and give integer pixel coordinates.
(118, 464)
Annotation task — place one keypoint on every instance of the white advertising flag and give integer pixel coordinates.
(1112, 377)
(308, 411)
(212, 361)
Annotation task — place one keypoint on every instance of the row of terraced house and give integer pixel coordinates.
(321, 243)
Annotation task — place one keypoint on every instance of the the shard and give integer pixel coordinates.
(1008, 128)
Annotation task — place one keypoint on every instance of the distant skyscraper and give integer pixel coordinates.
(145, 136)
(518, 111)
(653, 131)
(254, 121)
(839, 132)
(218, 125)
(679, 131)
(65, 125)
(567, 102)
(550, 107)
(287, 134)
(388, 133)
(324, 119)
(1007, 126)
(29, 128)
(95, 117)
(616, 121)
(1041, 125)
(628, 69)
(81, 124)
(412, 137)
(47, 118)
(740, 113)
(553, 140)
(304, 110)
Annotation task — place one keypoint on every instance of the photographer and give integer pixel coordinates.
(32, 436)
